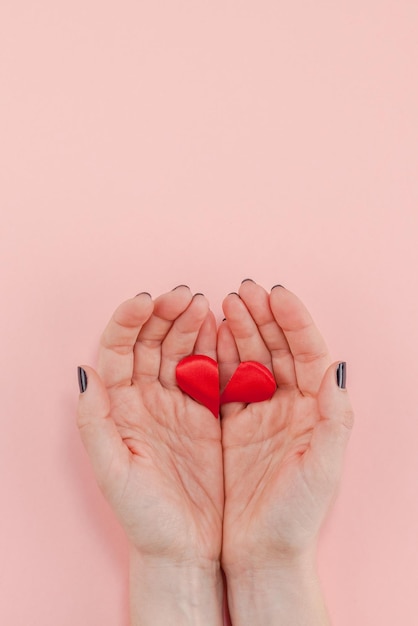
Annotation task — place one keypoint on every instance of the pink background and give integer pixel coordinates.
(147, 144)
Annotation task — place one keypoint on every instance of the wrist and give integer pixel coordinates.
(286, 592)
(299, 563)
(163, 592)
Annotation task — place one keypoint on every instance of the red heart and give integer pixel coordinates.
(198, 376)
(251, 382)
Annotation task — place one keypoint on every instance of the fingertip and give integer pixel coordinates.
(341, 375)
(233, 295)
(134, 311)
(93, 399)
(277, 292)
(82, 378)
(231, 303)
(169, 306)
(145, 300)
(211, 319)
(180, 287)
(206, 339)
(209, 323)
(223, 327)
(226, 346)
(333, 404)
(143, 293)
(200, 304)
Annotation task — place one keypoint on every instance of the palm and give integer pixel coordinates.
(276, 498)
(161, 468)
(170, 497)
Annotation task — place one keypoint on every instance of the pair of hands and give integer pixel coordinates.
(248, 491)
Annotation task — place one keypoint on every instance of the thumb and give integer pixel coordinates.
(97, 429)
(332, 432)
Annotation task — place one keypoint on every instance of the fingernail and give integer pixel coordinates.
(187, 286)
(341, 374)
(234, 293)
(82, 379)
(224, 319)
(143, 293)
(245, 280)
(198, 294)
(274, 287)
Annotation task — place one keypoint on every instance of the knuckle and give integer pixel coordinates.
(310, 357)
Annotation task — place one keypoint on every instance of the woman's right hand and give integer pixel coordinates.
(283, 458)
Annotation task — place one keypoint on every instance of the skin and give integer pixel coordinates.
(192, 496)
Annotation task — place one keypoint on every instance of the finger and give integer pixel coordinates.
(325, 455)
(181, 339)
(116, 350)
(250, 344)
(228, 361)
(256, 299)
(308, 348)
(206, 338)
(99, 433)
(147, 352)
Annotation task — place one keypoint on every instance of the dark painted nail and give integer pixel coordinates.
(82, 379)
(224, 319)
(341, 374)
(274, 287)
(180, 286)
(143, 293)
(198, 294)
(246, 279)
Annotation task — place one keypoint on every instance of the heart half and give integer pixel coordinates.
(198, 376)
(251, 382)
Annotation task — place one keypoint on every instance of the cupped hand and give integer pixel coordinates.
(283, 458)
(156, 452)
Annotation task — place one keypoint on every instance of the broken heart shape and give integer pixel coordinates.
(198, 376)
